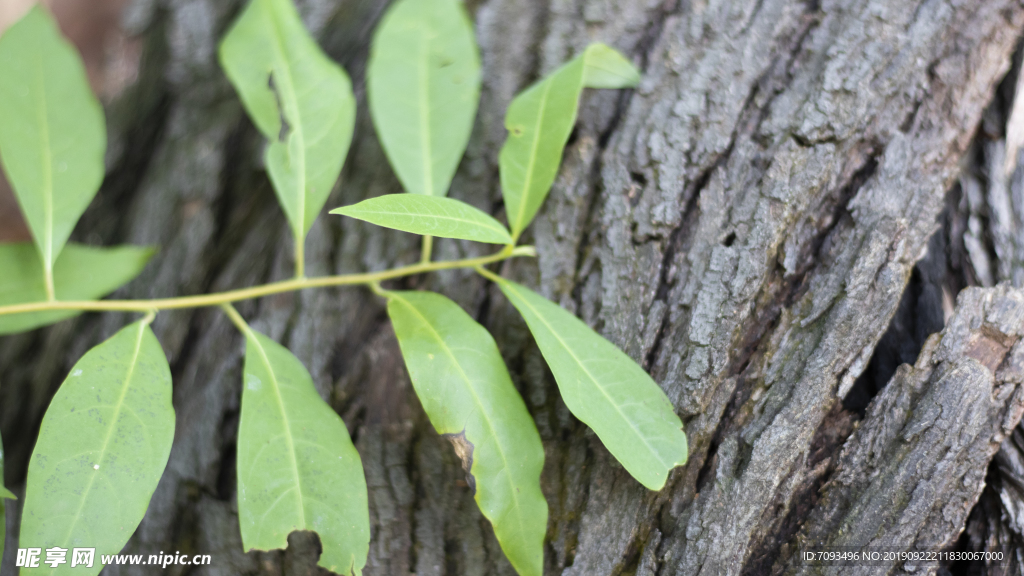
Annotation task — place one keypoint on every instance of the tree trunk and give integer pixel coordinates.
(745, 225)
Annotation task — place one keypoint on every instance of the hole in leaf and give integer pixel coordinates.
(286, 128)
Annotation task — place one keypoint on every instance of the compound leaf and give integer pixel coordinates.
(52, 130)
(299, 99)
(297, 467)
(424, 86)
(605, 389)
(81, 273)
(429, 215)
(466, 391)
(539, 121)
(102, 447)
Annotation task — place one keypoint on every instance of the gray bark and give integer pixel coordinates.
(744, 225)
(910, 474)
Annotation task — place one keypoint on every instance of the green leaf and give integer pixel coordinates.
(81, 273)
(299, 99)
(297, 467)
(605, 389)
(52, 130)
(4, 494)
(429, 215)
(423, 80)
(539, 122)
(606, 68)
(102, 448)
(466, 391)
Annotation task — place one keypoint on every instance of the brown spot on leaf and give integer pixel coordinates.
(464, 450)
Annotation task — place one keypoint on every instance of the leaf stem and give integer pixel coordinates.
(149, 317)
(375, 287)
(487, 274)
(428, 248)
(219, 298)
(300, 257)
(51, 294)
(236, 318)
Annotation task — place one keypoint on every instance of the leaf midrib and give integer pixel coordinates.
(424, 78)
(482, 224)
(287, 423)
(583, 367)
(476, 399)
(533, 157)
(47, 157)
(110, 431)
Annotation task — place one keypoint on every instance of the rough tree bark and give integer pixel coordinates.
(745, 225)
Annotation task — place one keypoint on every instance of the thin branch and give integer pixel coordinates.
(219, 298)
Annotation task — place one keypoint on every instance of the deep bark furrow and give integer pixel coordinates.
(839, 158)
(931, 432)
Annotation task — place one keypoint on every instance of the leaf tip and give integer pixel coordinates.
(606, 67)
(147, 252)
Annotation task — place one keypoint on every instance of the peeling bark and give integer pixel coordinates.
(910, 474)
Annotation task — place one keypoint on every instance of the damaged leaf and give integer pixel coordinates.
(605, 389)
(461, 380)
(297, 467)
(464, 450)
(300, 100)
